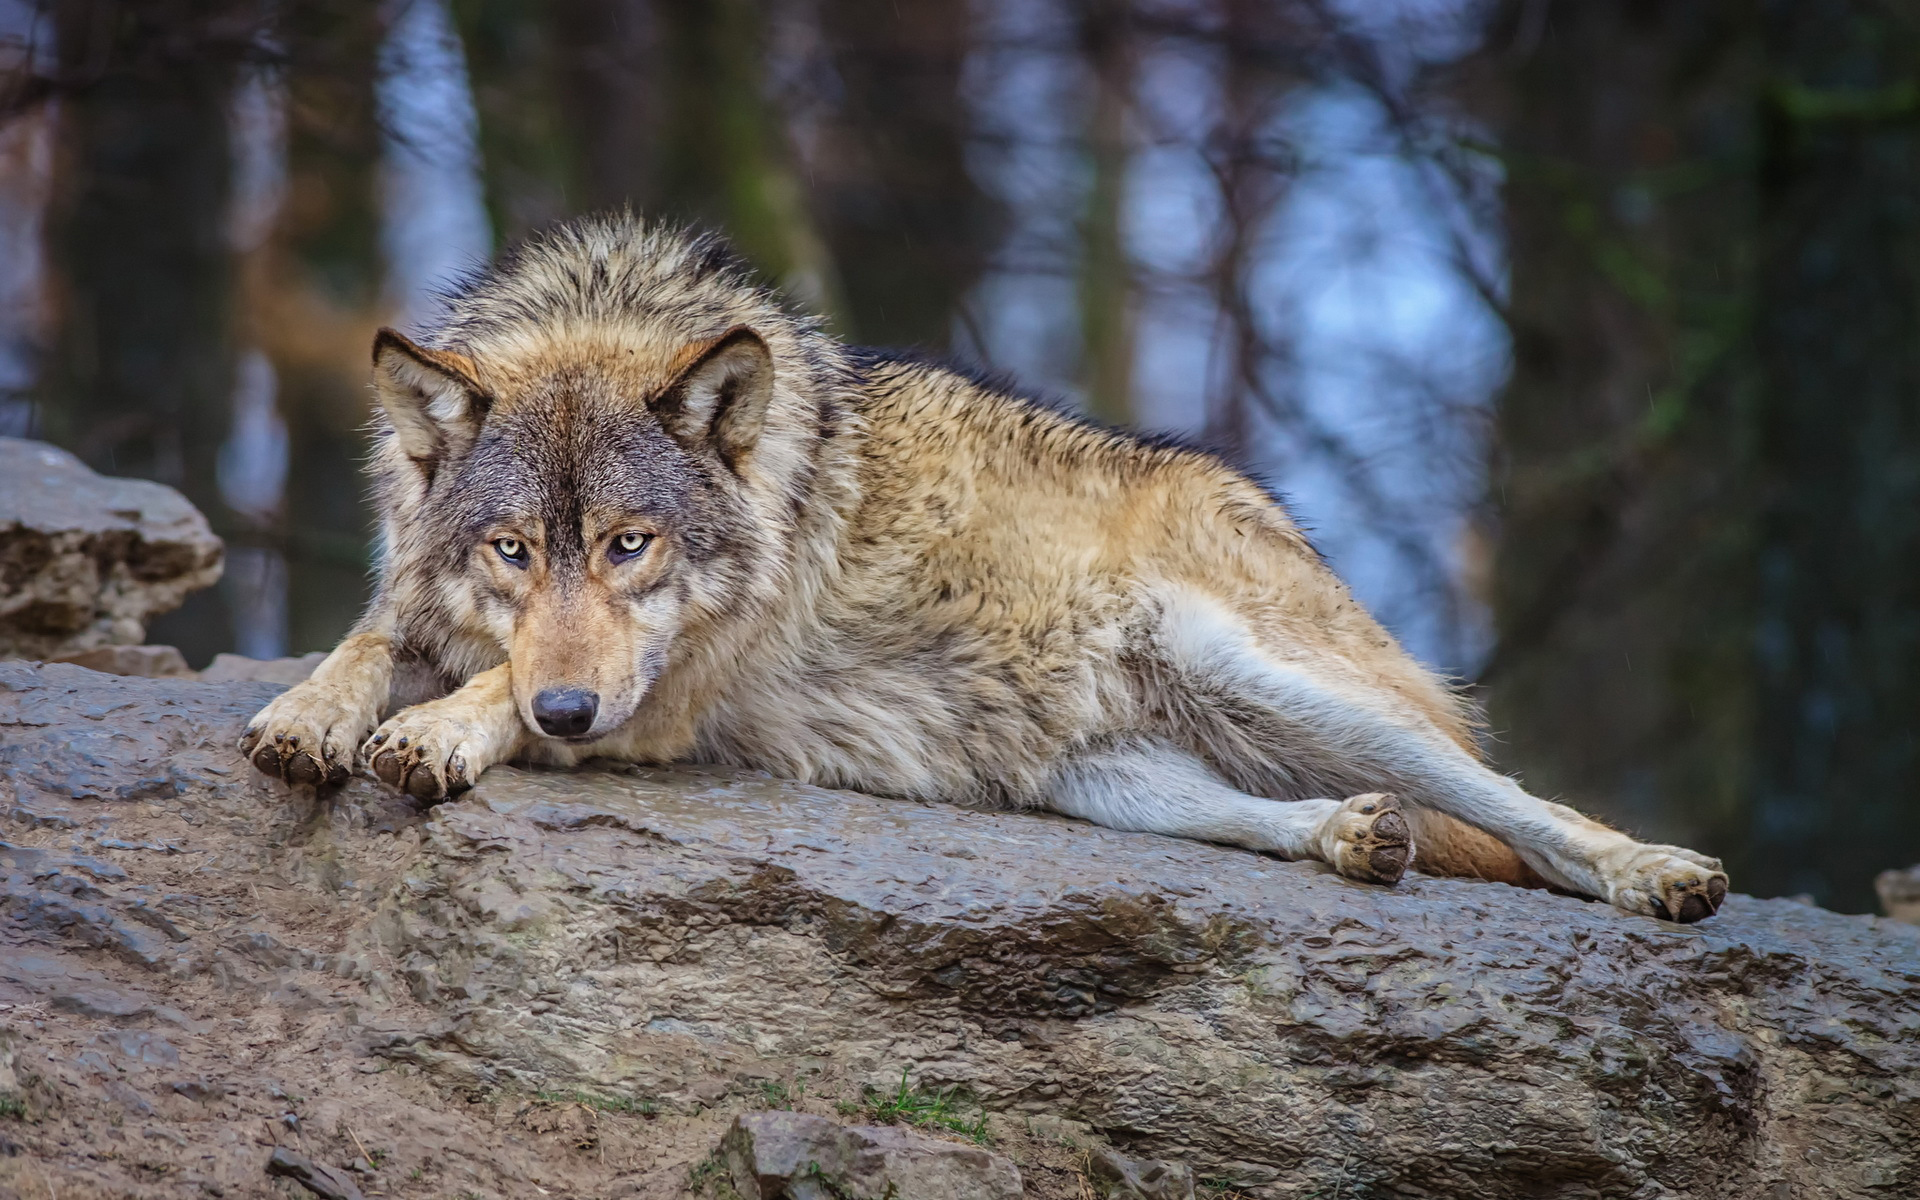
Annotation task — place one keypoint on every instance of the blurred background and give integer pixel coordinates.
(1584, 334)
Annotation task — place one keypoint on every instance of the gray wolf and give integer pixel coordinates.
(634, 507)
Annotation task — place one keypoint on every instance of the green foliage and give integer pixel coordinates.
(907, 1105)
(708, 1177)
(12, 1107)
(819, 1177)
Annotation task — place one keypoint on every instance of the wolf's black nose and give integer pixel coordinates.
(565, 712)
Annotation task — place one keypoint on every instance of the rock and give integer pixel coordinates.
(9, 1079)
(1117, 1177)
(322, 1181)
(794, 1156)
(660, 944)
(147, 662)
(85, 560)
(237, 668)
(1900, 894)
(197, 1089)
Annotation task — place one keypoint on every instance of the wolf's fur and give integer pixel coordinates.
(872, 572)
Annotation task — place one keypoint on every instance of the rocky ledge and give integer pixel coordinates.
(581, 982)
(85, 560)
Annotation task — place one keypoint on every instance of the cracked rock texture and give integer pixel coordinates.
(86, 560)
(799, 1156)
(580, 980)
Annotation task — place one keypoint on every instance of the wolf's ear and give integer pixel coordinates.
(720, 398)
(431, 396)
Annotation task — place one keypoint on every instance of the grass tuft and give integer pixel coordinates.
(709, 1177)
(907, 1105)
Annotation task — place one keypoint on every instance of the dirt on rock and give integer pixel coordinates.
(571, 984)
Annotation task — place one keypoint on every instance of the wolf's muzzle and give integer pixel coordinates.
(565, 712)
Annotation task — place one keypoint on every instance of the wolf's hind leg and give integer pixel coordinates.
(436, 749)
(309, 733)
(1367, 740)
(1154, 787)
(1451, 847)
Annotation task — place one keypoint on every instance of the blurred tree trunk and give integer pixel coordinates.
(907, 224)
(1106, 272)
(1620, 675)
(316, 298)
(727, 161)
(530, 160)
(1252, 181)
(1708, 445)
(140, 372)
(566, 92)
(589, 105)
(1837, 766)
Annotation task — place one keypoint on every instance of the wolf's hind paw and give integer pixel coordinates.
(1368, 839)
(1673, 885)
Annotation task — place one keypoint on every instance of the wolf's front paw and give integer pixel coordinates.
(429, 755)
(1367, 838)
(307, 735)
(1670, 883)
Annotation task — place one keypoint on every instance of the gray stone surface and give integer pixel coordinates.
(86, 560)
(1117, 1176)
(694, 937)
(318, 1179)
(238, 668)
(148, 662)
(799, 1156)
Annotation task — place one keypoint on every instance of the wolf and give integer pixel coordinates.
(634, 506)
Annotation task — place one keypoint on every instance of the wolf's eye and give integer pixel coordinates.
(628, 545)
(513, 550)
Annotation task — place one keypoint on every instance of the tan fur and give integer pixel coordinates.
(927, 587)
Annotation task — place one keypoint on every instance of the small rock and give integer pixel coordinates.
(139, 1047)
(322, 1181)
(86, 560)
(238, 668)
(1052, 1127)
(1123, 1178)
(798, 1156)
(1900, 894)
(198, 1089)
(146, 662)
(102, 1002)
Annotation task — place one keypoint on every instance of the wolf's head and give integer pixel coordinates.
(578, 508)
